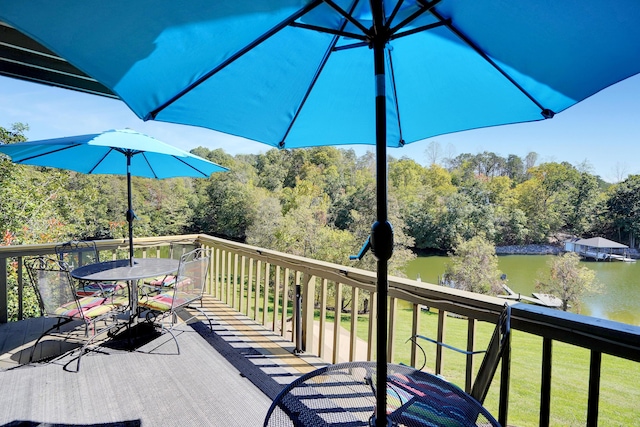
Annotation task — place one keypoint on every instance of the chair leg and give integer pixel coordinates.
(170, 330)
(58, 324)
(204, 313)
(158, 319)
(108, 326)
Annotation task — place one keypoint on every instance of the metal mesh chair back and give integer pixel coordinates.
(191, 278)
(77, 253)
(52, 282)
(178, 249)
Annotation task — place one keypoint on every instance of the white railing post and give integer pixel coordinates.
(308, 310)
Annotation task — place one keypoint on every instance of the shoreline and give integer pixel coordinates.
(533, 249)
(529, 250)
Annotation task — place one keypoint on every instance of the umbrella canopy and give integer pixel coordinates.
(293, 73)
(280, 71)
(119, 152)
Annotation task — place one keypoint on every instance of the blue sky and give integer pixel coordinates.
(602, 130)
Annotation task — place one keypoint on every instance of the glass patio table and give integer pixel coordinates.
(344, 395)
(121, 269)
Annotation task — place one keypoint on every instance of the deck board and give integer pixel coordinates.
(201, 386)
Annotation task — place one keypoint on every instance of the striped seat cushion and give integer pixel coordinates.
(161, 281)
(162, 302)
(99, 310)
(94, 288)
(71, 309)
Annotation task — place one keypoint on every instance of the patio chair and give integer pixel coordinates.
(154, 285)
(499, 349)
(57, 299)
(76, 253)
(345, 394)
(187, 289)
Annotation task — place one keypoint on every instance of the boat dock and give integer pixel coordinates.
(545, 300)
(599, 249)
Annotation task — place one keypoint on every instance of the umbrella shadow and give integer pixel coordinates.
(133, 338)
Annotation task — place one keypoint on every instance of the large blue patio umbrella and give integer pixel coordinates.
(294, 73)
(119, 152)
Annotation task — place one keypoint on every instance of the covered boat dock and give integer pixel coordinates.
(599, 249)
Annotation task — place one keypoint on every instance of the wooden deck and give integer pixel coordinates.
(226, 377)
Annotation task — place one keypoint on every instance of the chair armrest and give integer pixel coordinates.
(414, 339)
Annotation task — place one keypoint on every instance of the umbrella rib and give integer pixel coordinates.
(303, 11)
(329, 31)
(349, 16)
(127, 151)
(394, 13)
(546, 113)
(428, 27)
(100, 161)
(144, 156)
(395, 98)
(426, 6)
(47, 153)
(191, 166)
(313, 81)
(351, 46)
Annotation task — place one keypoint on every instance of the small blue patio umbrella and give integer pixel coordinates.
(118, 152)
(294, 73)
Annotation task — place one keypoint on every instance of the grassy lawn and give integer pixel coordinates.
(620, 379)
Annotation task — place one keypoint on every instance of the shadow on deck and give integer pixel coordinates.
(225, 377)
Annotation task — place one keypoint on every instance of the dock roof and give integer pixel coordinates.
(600, 242)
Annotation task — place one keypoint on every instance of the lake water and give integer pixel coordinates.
(619, 301)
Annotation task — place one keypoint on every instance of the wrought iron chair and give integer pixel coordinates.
(77, 253)
(498, 350)
(154, 285)
(57, 299)
(187, 289)
(344, 394)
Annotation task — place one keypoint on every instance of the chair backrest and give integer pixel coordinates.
(52, 282)
(498, 349)
(77, 253)
(178, 249)
(191, 278)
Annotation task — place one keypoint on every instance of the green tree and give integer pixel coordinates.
(406, 179)
(624, 207)
(423, 219)
(473, 266)
(262, 231)
(584, 201)
(567, 280)
(515, 168)
(439, 180)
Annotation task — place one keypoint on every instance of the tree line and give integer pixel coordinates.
(320, 202)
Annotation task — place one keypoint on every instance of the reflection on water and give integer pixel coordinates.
(619, 301)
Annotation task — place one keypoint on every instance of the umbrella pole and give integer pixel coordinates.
(381, 232)
(130, 214)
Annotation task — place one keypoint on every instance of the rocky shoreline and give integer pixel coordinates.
(529, 250)
(546, 250)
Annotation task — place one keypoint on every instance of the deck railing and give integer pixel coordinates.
(268, 286)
